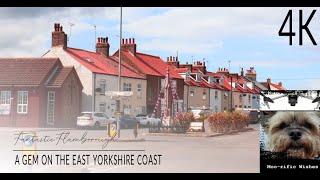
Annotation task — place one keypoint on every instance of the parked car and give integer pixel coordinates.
(94, 119)
(148, 120)
(127, 122)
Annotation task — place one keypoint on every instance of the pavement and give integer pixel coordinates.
(237, 152)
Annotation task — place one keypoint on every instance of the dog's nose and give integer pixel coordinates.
(295, 135)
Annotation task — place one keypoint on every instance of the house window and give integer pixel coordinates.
(102, 86)
(5, 101)
(127, 109)
(102, 107)
(5, 97)
(204, 95)
(126, 86)
(191, 93)
(50, 107)
(216, 94)
(198, 77)
(22, 107)
(249, 97)
(139, 89)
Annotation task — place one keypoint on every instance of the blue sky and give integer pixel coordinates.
(245, 36)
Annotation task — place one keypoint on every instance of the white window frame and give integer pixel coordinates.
(53, 109)
(139, 90)
(103, 82)
(127, 87)
(5, 97)
(204, 95)
(105, 107)
(5, 100)
(192, 93)
(22, 104)
(215, 94)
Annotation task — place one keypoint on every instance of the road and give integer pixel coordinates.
(229, 153)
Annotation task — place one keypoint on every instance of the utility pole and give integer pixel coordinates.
(231, 95)
(70, 24)
(119, 76)
(95, 34)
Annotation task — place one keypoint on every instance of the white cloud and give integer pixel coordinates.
(189, 30)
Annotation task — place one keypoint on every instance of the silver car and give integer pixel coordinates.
(94, 119)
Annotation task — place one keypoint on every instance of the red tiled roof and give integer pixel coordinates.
(182, 70)
(213, 85)
(278, 87)
(151, 65)
(26, 71)
(101, 64)
(141, 64)
(215, 75)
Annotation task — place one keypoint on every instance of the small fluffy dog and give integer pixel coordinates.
(294, 133)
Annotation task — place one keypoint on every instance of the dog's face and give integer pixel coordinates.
(296, 133)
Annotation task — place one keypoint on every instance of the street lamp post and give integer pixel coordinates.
(119, 76)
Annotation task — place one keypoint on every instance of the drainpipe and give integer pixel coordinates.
(93, 92)
(209, 98)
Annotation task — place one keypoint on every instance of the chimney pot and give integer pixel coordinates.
(133, 40)
(268, 80)
(106, 39)
(126, 41)
(60, 38)
(129, 40)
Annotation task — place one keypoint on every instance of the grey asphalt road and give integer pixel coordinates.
(229, 153)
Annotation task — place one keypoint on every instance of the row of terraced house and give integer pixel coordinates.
(52, 90)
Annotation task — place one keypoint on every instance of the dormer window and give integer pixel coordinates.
(198, 77)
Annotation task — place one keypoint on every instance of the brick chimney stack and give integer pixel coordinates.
(268, 80)
(59, 38)
(173, 61)
(186, 65)
(198, 65)
(102, 46)
(129, 45)
(223, 71)
(251, 74)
